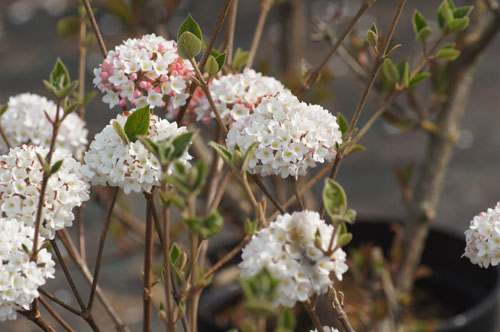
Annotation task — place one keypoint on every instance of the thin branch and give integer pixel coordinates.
(5, 138)
(227, 257)
(54, 314)
(297, 194)
(59, 302)
(266, 192)
(313, 77)
(97, 32)
(311, 311)
(35, 317)
(265, 7)
(230, 28)
(220, 192)
(156, 219)
(148, 268)
(341, 314)
(102, 241)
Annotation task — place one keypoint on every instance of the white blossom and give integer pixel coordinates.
(139, 70)
(291, 136)
(109, 161)
(326, 329)
(483, 238)
(235, 96)
(20, 277)
(288, 251)
(20, 184)
(25, 122)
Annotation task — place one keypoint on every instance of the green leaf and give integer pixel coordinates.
(148, 144)
(350, 216)
(188, 45)
(211, 67)
(137, 123)
(3, 109)
(181, 143)
(121, 133)
(390, 71)
(404, 72)
(372, 36)
(286, 319)
(52, 89)
(246, 157)
(211, 225)
(68, 26)
(445, 14)
(356, 148)
(334, 198)
(450, 4)
(43, 162)
(343, 125)
(175, 254)
(344, 239)
(190, 25)
(59, 77)
(57, 165)
(448, 52)
(224, 153)
(198, 176)
(419, 22)
(66, 90)
(462, 12)
(251, 227)
(221, 60)
(418, 78)
(240, 58)
(424, 34)
(457, 25)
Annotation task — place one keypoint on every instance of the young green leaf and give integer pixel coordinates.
(221, 60)
(372, 36)
(198, 176)
(286, 319)
(462, 12)
(224, 153)
(334, 198)
(121, 133)
(175, 254)
(424, 34)
(418, 22)
(188, 45)
(445, 14)
(240, 58)
(59, 77)
(343, 125)
(350, 216)
(137, 123)
(404, 72)
(344, 239)
(191, 26)
(457, 25)
(390, 71)
(57, 165)
(211, 225)
(211, 67)
(448, 52)
(418, 78)
(181, 143)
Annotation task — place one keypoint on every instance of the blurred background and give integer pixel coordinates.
(30, 42)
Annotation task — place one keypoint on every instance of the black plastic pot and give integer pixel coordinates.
(473, 290)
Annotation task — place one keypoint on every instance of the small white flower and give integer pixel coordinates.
(327, 329)
(286, 248)
(131, 167)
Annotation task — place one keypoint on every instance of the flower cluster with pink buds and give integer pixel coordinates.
(235, 96)
(145, 71)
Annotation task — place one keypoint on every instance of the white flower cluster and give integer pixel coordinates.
(326, 329)
(291, 136)
(235, 96)
(131, 167)
(483, 238)
(20, 184)
(20, 277)
(144, 71)
(287, 250)
(25, 122)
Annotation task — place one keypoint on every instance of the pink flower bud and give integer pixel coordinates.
(133, 76)
(123, 102)
(137, 93)
(104, 75)
(143, 84)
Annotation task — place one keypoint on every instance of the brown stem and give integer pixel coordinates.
(54, 314)
(5, 138)
(266, 192)
(156, 219)
(341, 314)
(59, 302)
(311, 311)
(220, 192)
(100, 251)
(82, 266)
(227, 257)
(97, 32)
(230, 27)
(265, 7)
(313, 77)
(35, 317)
(215, 32)
(45, 179)
(148, 269)
(381, 56)
(168, 267)
(297, 194)
(82, 55)
(426, 194)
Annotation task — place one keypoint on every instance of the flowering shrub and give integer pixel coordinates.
(20, 277)
(483, 238)
(235, 96)
(25, 122)
(291, 136)
(145, 71)
(128, 165)
(293, 250)
(21, 177)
